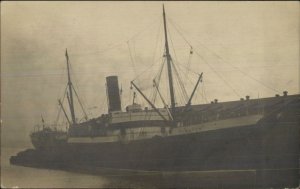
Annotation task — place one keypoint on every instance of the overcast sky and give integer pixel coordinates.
(243, 48)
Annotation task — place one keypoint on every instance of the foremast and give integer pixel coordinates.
(70, 99)
(168, 57)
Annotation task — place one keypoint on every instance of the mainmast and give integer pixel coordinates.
(168, 56)
(70, 91)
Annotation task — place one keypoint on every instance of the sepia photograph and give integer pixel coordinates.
(150, 94)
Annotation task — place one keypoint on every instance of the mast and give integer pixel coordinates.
(70, 91)
(168, 56)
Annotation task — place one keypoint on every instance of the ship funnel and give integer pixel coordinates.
(113, 93)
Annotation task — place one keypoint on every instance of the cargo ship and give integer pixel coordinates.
(248, 135)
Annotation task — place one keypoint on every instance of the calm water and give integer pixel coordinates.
(17, 176)
(25, 177)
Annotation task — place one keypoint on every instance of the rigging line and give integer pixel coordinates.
(157, 39)
(196, 96)
(131, 58)
(180, 81)
(203, 96)
(134, 52)
(189, 61)
(185, 96)
(267, 86)
(146, 69)
(178, 94)
(172, 44)
(181, 34)
(213, 71)
(58, 113)
(130, 94)
(61, 86)
(100, 51)
(59, 110)
(197, 93)
(236, 93)
(143, 30)
(204, 91)
(215, 54)
(238, 69)
(181, 96)
(83, 100)
(134, 46)
(158, 77)
(116, 44)
(187, 76)
(74, 77)
(160, 72)
(178, 75)
(163, 83)
(161, 45)
(173, 24)
(80, 103)
(154, 92)
(178, 63)
(153, 95)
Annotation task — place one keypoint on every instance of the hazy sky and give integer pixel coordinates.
(243, 42)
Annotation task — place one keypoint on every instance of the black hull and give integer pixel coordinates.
(265, 154)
